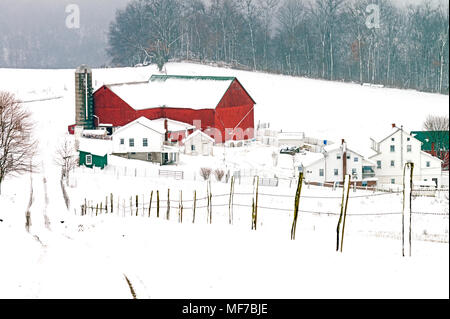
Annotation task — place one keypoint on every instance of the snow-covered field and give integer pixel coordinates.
(66, 255)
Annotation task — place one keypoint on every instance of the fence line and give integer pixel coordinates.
(139, 208)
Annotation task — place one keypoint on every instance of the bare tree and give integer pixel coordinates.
(219, 173)
(66, 158)
(17, 146)
(205, 172)
(436, 127)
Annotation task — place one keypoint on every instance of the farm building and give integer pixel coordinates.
(93, 152)
(397, 147)
(435, 143)
(145, 140)
(334, 162)
(220, 106)
(198, 143)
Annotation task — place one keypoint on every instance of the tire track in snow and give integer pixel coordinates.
(46, 219)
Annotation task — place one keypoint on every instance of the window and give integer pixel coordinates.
(392, 148)
(408, 148)
(321, 172)
(144, 142)
(149, 157)
(356, 159)
(408, 139)
(428, 164)
(122, 141)
(393, 181)
(88, 159)
(131, 141)
(393, 139)
(192, 147)
(338, 157)
(348, 156)
(392, 163)
(336, 172)
(379, 164)
(353, 171)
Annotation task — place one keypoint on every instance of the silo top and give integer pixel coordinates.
(84, 69)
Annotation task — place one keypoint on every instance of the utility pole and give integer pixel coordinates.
(401, 147)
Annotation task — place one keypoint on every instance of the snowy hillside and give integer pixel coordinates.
(322, 109)
(98, 255)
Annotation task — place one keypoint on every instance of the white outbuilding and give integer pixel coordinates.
(198, 143)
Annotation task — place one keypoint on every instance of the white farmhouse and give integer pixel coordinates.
(395, 149)
(198, 143)
(144, 140)
(334, 162)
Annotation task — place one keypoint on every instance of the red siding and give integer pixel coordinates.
(235, 107)
(111, 109)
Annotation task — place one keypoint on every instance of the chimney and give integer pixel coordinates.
(393, 125)
(166, 131)
(344, 160)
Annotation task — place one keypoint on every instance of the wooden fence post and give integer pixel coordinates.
(407, 211)
(255, 202)
(296, 205)
(157, 203)
(137, 204)
(150, 205)
(345, 193)
(345, 213)
(209, 203)
(168, 204)
(131, 206)
(194, 206)
(180, 208)
(230, 202)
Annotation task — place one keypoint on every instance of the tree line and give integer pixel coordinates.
(326, 39)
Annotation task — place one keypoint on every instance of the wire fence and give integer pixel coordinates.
(146, 205)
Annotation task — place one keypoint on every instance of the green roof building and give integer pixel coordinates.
(433, 140)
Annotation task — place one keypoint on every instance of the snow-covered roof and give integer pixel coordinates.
(291, 135)
(95, 146)
(197, 132)
(308, 158)
(380, 138)
(336, 146)
(431, 156)
(172, 125)
(144, 122)
(332, 147)
(367, 161)
(424, 183)
(193, 92)
(94, 132)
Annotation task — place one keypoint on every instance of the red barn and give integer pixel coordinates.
(220, 106)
